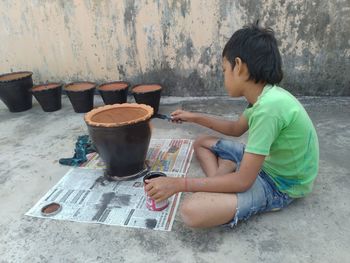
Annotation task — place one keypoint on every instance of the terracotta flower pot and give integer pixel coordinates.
(114, 92)
(81, 95)
(148, 94)
(121, 134)
(15, 90)
(48, 96)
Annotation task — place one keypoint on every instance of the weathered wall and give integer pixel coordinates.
(176, 43)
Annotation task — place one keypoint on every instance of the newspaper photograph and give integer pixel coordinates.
(85, 195)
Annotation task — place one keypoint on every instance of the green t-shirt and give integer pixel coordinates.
(280, 129)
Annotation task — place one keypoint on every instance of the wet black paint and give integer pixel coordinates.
(151, 223)
(111, 200)
(99, 181)
(106, 199)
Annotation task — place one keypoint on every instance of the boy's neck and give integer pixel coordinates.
(253, 90)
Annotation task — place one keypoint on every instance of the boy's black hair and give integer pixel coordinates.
(257, 47)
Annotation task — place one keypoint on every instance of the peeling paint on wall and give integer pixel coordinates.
(177, 43)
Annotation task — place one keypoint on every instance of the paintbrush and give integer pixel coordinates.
(163, 117)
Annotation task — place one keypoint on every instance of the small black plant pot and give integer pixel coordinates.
(114, 92)
(15, 90)
(81, 95)
(148, 94)
(48, 96)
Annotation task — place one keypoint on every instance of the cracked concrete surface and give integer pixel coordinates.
(313, 229)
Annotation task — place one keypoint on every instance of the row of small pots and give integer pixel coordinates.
(16, 91)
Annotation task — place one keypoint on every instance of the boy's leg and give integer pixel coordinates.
(208, 209)
(212, 209)
(225, 167)
(210, 163)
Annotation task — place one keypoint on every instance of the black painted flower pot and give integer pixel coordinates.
(48, 96)
(114, 92)
(81, 95)
(148, 94)
(121, 134)
(15, 90)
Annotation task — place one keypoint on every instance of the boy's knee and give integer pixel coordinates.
(199, 141)
(203, 141)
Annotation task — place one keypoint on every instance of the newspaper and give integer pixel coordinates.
(87, 196)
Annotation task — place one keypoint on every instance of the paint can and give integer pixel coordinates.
(150, 203)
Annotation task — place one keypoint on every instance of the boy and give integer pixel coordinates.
(279, 162)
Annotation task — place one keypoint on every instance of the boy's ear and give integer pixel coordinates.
(238, 64)
(241, 67)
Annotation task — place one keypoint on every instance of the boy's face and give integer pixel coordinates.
(230, 78)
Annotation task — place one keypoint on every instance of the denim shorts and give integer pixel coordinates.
(262, 196)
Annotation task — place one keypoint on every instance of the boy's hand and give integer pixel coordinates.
(180, 116)
(161, 188)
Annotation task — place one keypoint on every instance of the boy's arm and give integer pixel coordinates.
(230, 128)
(163, 187)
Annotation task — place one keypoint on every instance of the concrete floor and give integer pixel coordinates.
(314, 229)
